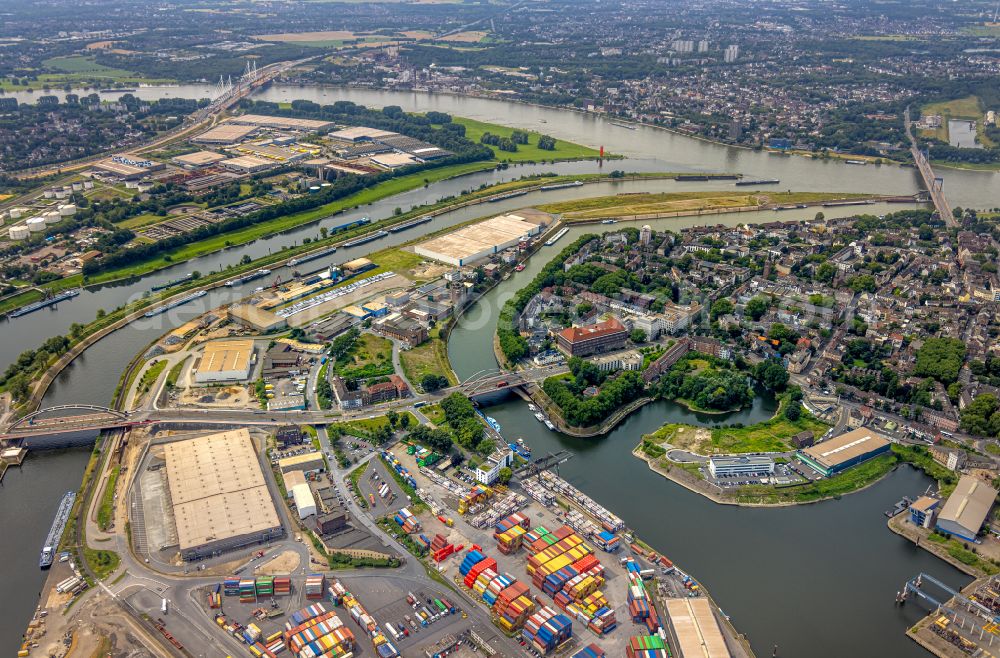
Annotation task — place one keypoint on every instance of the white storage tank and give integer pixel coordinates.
(15, 213)
(67, 210)
(19, 232)
(77, 187)
(61, 194)
(88, 184)
(36, 224)
(49, 193)
(52, 217)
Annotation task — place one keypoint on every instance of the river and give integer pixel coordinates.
(787, 576)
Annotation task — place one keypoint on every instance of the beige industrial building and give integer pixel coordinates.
(225, 361)
(198, 159)
(218, 493)
(225, 133)
(307, 462)
(248, 164)
(478, 241)
(280, 123)
(696, 629)
(255, 318)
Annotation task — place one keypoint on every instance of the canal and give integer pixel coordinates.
(818, 580)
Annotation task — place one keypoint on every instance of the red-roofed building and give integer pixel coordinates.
(593, 339)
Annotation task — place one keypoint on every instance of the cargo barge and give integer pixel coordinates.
(836, 204)
(560, 186)
(35, 306)
(765, 181)
(248, 277)
(171, 284)
(416, 222)
(371, 237)
(313, 256)
(175, 304)
(555, 238)
(55, 532)
(704, 177)
(508, 195)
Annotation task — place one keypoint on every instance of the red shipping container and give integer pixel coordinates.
(564, 532)
(586, 563)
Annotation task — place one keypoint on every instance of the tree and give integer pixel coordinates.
(505, 475)
(757, 307)
(431, 382)
(982, 416)
(323, 232)
(940, 358)
(404, 421)
(771, 375)
(721, 307)
(638, 336)
(794, 410)
(392, 417)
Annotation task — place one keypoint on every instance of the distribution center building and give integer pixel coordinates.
(218, 493)
(966, 509)
(225, 361)
(478, 241)
(844, 451)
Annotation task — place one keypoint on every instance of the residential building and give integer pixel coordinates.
(488, 472)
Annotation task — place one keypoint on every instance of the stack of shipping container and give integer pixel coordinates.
(314, 632)
(265, 586)
(547, 630)
(477, 494)
(565, 568)
(315, 587)
(647, 646)
(409, 523)
(639, 606)
(608, 541)
(400, 470)
(231, 586)
(215, 597)
(248, 591)
(507, 596)
(282, 585)
(590, 651)
(383, 647)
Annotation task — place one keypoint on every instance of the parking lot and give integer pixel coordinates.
(372, 481)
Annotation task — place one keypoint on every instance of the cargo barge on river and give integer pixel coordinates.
(55, 532)
(36, 306)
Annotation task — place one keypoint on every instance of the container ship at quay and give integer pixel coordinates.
(247, 277)
(55, 532)
(175, 304)
(35, 306)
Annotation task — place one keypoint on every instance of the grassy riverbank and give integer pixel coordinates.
(529, 152)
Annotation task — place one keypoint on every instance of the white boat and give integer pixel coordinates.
(532, 407)
(540, 417)
(550, 425)
(608, 221)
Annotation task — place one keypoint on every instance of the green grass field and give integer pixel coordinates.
(667, 202)
(530, 152)
(19, 300)
(105, 513)
(77, 70)
(428, 358)
(371, 356)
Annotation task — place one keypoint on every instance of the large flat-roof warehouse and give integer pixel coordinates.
(697, 630)
(844, 451)
(218, 493)
(472, 243)
(225, 361)
(280, 123)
